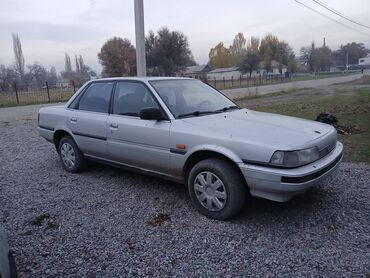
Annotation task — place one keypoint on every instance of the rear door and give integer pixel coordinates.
(131, 140)
(88, 119)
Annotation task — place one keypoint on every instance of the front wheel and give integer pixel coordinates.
(70, 155)
(216, 188)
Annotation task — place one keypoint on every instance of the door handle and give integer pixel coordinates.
(73, 120)
(113, 125)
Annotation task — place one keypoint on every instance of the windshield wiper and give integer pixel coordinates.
(227, 108)
(197, 113)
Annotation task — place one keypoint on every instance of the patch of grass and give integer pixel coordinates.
(251, 81)
(34, 97)
(321, 76)
(275, 94)
(351, 110)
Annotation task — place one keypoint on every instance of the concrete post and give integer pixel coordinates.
(140, 38)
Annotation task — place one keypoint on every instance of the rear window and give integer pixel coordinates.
(96, 98)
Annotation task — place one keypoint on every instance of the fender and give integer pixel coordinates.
(178, 162)
(63, 128)
(214, 148)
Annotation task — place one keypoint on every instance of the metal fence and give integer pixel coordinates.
(44, 94)
(48, 93)
(246, 81)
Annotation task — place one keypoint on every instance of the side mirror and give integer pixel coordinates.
(151, 113)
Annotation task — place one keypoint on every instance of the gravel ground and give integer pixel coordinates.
(100, 222)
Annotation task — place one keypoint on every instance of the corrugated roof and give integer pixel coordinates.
(219, 70)
(197, 68)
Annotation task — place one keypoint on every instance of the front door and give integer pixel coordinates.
(131, 140)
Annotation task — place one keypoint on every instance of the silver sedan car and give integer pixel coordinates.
(184, 130)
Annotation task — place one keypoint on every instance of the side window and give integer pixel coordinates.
(96, 98)
(130, 98)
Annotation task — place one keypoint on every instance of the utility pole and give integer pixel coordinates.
(140, 38)
(324, 42)
(347, 59)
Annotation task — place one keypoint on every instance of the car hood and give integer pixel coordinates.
(268, 129)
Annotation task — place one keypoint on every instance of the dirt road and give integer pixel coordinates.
(266, 89)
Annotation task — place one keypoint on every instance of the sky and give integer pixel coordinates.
(50, 28)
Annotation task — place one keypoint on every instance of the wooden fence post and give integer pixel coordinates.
(47, 90)
(74, 86)
(16, 92)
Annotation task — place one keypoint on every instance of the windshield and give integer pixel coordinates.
(187, 97)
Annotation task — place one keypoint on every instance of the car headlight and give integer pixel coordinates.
(294, 158)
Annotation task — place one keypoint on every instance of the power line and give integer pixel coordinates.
(338, 13)
(332, 19)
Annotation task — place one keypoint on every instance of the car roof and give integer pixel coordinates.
(147, 78)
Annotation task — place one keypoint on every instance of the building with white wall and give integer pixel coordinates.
(365, 61)
(221, 73)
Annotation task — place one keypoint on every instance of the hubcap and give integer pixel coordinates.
(67, 154)
(210, 191)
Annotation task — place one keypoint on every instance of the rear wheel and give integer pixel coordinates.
(216, 188)
(70, 155)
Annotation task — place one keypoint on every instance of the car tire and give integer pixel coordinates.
(216, 188)
(12, 266)
(72, 158)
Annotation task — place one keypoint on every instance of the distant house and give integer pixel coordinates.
(275, 68)
(364, 62)
(227, 73)
(63, 83)
(199, 72)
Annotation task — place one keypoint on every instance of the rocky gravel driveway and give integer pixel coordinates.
(108, 222)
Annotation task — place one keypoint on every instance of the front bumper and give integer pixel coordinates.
(282, 184)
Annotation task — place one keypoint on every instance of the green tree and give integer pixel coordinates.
(67, 63)
(118, 57)
(52, 76)
(168, 52)
(68, 71)
(77, 64)
(355, 51)
(323, 58)
(267, 58)
(271, 48)
(238, 48)
(292, 64)
(253, 44)
(220, 57)
(8, 76)
(250, 62)
(308, 56)
(19, 58)
(81, 63)
(36, 76)
(316, 58)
